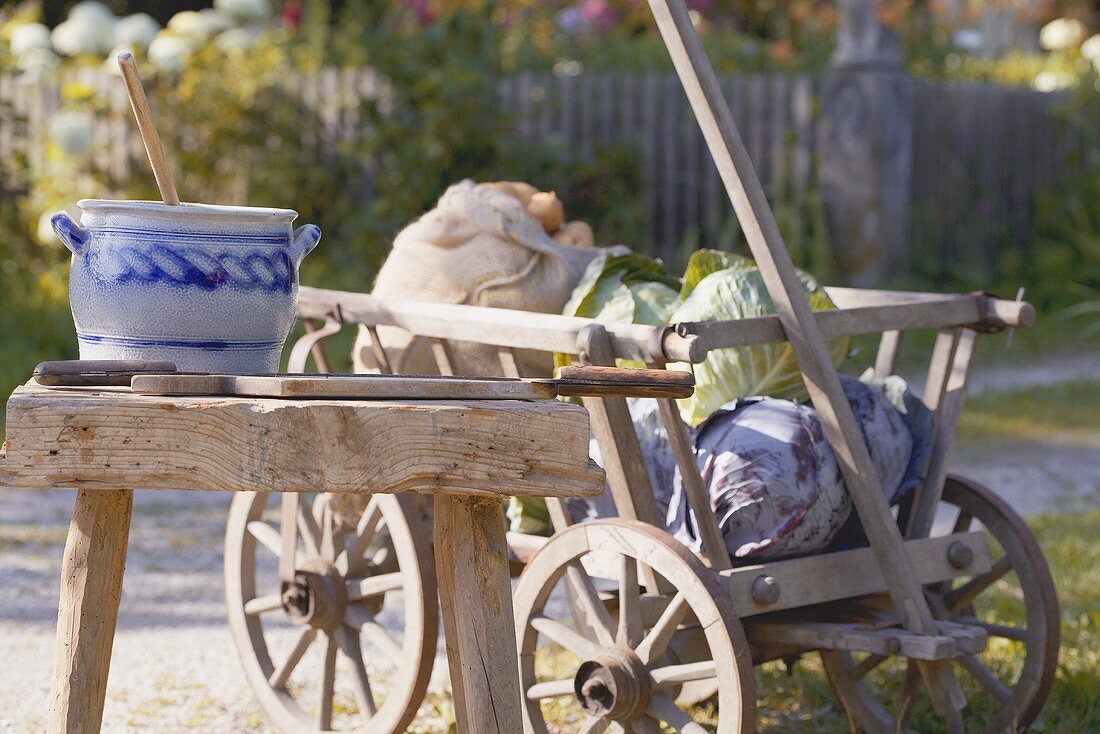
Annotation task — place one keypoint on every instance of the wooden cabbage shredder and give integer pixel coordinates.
(802, 331)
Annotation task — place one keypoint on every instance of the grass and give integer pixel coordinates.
(1067, 413)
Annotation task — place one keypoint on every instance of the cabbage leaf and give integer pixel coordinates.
(721, 286)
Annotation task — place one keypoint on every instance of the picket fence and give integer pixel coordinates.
(980, 152)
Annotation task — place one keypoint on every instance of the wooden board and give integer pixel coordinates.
(361, 387)
(110, 438)
(848, 574)
(574, 381)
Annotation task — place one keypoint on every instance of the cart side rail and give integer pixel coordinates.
(860, 311)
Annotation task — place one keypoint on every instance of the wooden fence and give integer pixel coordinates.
(980, 152)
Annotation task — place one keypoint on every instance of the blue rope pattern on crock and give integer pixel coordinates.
(192, 267)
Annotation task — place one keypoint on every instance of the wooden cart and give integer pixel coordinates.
(648, 627)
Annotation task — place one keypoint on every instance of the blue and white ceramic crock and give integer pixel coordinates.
(211, 288)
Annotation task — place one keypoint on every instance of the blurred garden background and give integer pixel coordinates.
(358, 113)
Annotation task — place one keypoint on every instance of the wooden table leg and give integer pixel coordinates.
(91, 584)
(475, 593)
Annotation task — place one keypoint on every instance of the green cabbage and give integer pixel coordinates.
(626, 289)
(717, 286)
(623, 289)
(720, 286)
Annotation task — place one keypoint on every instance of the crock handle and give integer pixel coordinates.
(74, 236)
(305, 239)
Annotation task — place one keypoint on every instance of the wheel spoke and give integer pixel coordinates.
(963, 521)
(349, 559)
(349, 645)
(961, 597)
(281, 674)
(630, 629)
(262, 604)
(865, 666)
(307, 528)
(656, 642)
(595, 613)
(1019, 634)
(327, 524)
(908, 695)
(267, 536)
(362, 621)
(377, 635)
(662, 708)
(571, 640)
(328, 686)
(684, 673)
(646, 725)
(374, 585)
(593, 725)
(550, 689)
(982, 674)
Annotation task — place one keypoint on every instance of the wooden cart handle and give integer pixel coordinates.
(592, 381)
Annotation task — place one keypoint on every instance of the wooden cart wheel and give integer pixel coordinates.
(615, 670)
(316, 652)
(1014, 602)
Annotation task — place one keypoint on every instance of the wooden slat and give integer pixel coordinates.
(99, 438)
(802, 636)
(493, 326)
(613, 428)
(764, 239)
(947, 417)
(714, 545)
(886, 359)
(850, 574)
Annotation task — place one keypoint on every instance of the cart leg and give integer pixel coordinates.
(91, 583)
(476, 597)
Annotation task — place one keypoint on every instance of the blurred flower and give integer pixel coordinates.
(199, 24)
(1090, 49)
(291, 13)
(244, 10)
(600, 13)
(1062, 33)
(29, 36)
(1051, 81)
(968, 39)
(236, 40)
(780, 51)
(890, 15)
(169, 51)
(110, 65)
(45, 231)
(91, 10)
(801, 11)
(573, 21)
(37, 59)
(572, 67)
(83, 35)
(138, 29)
(71, 132)
(215, 21)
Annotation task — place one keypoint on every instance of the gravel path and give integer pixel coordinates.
(174, 666)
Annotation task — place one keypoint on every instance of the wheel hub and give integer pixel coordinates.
(316, 597)
(614, 685)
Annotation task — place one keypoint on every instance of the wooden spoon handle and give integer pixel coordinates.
(148, 130)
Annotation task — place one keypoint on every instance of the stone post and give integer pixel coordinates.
(865, 147)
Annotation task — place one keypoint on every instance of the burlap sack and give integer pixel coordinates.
(478, 246)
